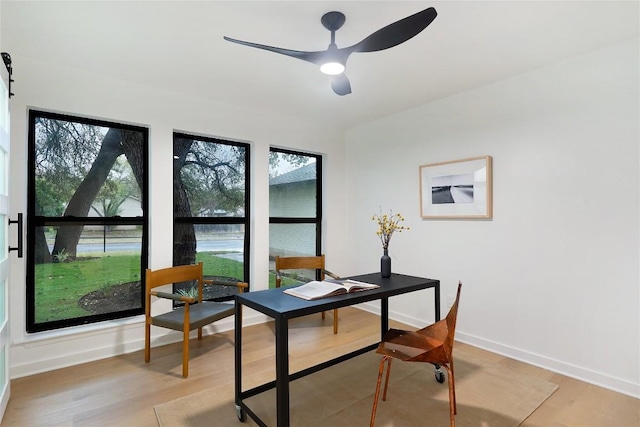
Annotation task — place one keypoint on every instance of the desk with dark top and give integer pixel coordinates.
(282, 307)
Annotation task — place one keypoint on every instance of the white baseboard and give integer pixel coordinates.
(45, 354)
(583, 374)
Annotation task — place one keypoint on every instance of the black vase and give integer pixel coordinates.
(385, 264)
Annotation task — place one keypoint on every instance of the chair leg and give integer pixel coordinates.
(147, 342)
(185, 351)
(452, 398)
(386, 381)
(377, 394)
(335, 321)
(453, 386)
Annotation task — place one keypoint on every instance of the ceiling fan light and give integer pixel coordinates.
(332, 68)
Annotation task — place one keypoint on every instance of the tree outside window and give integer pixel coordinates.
(87, 223)
(211, 205)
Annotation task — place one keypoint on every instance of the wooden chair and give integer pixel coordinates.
(433, 344)
(315, 263)
(194, 314)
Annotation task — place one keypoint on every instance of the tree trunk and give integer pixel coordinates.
(41, 251)
(131, 143)
(68, 236)
(184, 238)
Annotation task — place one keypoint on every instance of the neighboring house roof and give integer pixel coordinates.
(305, 173)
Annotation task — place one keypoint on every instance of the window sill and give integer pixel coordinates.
(77, 332)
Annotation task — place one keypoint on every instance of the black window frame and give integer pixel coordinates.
(245, 220)
(317, 220)
(34, 221)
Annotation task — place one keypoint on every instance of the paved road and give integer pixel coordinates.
(233, 245)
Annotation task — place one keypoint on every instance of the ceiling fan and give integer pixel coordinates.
(334, 60)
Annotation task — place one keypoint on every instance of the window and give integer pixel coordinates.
(295, 207)
(87, 220)
(211, 210)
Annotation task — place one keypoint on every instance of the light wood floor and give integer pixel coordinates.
(121, 391)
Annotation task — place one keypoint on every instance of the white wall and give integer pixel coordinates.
(50, 87)
(553, 278)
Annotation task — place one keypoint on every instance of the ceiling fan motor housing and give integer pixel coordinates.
(332, 21)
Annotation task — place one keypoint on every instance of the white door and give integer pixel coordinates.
(5, 389)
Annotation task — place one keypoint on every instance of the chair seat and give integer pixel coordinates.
(199, 315)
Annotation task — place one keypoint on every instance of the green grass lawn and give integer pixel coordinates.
(59, 286)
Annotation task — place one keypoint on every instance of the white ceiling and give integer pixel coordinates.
(178, 45)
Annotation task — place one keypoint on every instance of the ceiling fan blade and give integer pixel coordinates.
(396, 33)
(314, 57)
(340, 84)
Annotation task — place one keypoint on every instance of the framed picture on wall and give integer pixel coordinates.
(459, 189)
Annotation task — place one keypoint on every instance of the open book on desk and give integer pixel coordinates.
(316, 290)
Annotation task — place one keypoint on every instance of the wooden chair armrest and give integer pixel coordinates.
(330, 274)
(240, 285)
(174, 297)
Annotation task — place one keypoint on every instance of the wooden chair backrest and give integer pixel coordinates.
(170, 275)
(306, 262)
(445, 329)
(181, 273)
(451, 320)
(299, 262)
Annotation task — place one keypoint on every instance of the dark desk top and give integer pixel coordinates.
(275, 303)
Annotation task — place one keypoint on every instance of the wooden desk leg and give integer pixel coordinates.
(282, 371)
